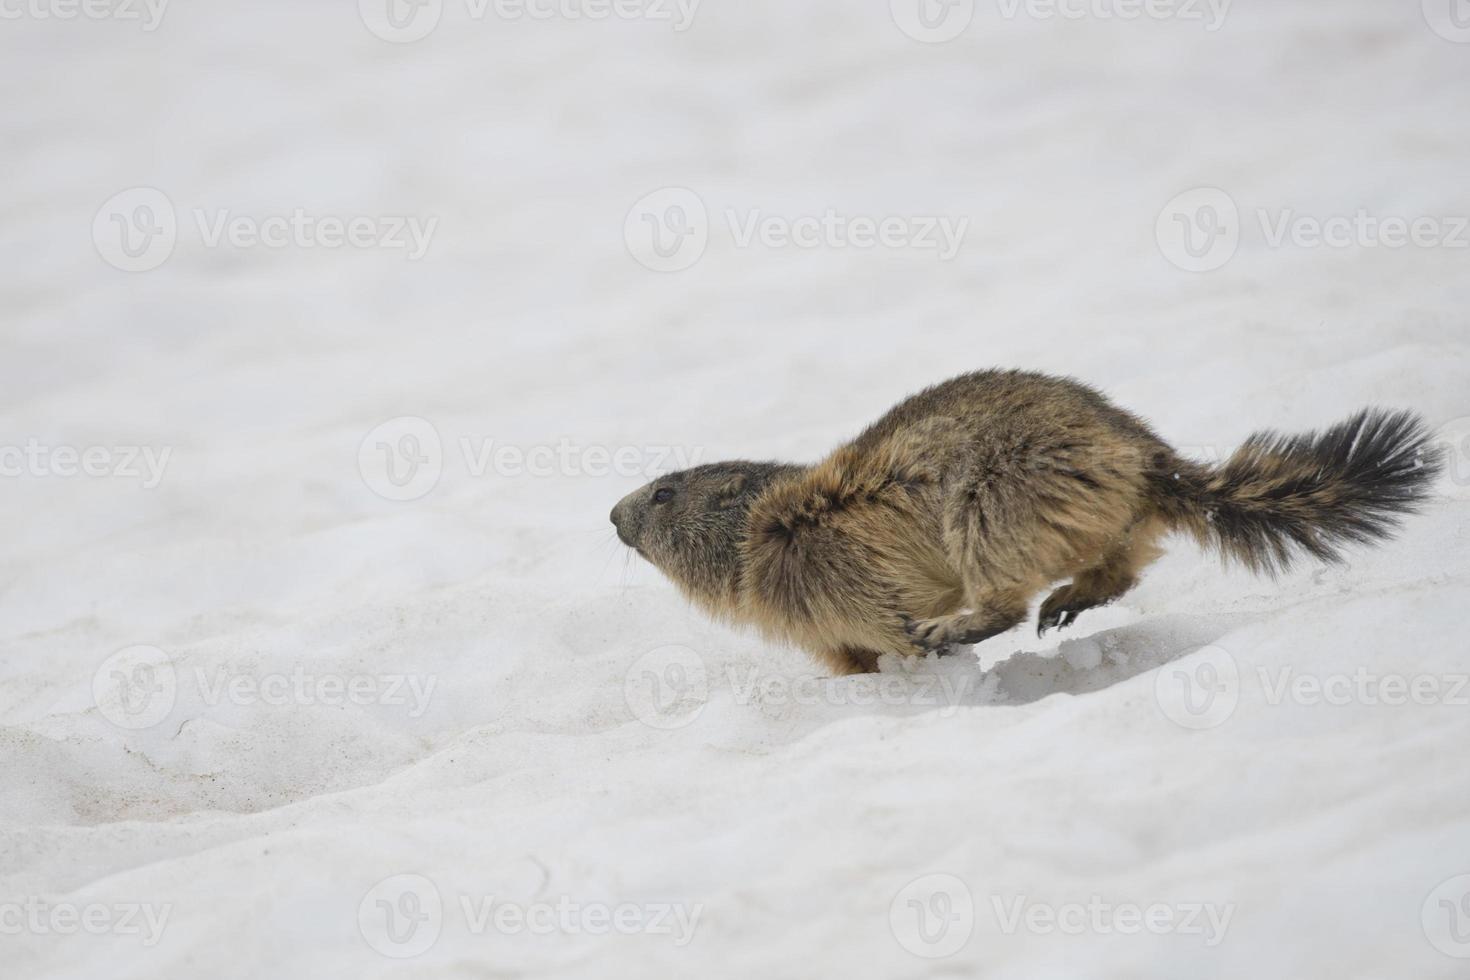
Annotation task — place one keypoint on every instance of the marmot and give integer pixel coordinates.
(938, 524)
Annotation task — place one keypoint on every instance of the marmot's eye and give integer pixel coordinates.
(663, 495)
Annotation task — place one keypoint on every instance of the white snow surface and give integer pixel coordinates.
(783, 824)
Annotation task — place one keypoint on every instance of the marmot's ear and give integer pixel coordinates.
(730, 490)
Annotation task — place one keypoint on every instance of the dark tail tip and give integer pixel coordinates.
(1283, 495)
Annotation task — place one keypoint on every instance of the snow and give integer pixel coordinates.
(290, 713)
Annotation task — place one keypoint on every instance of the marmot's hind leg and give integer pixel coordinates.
(1101, 584)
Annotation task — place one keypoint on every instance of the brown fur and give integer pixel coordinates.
(938, 524)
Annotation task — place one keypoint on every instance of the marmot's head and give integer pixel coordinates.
(691, 524)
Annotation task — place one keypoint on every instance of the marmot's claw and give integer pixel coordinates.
(1056, 619)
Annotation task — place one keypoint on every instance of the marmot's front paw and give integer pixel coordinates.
(963, 629)
(929, 635)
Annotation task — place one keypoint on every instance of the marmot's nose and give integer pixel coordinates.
(617, 518)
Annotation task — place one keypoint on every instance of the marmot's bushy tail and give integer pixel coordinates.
(1281, 495)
